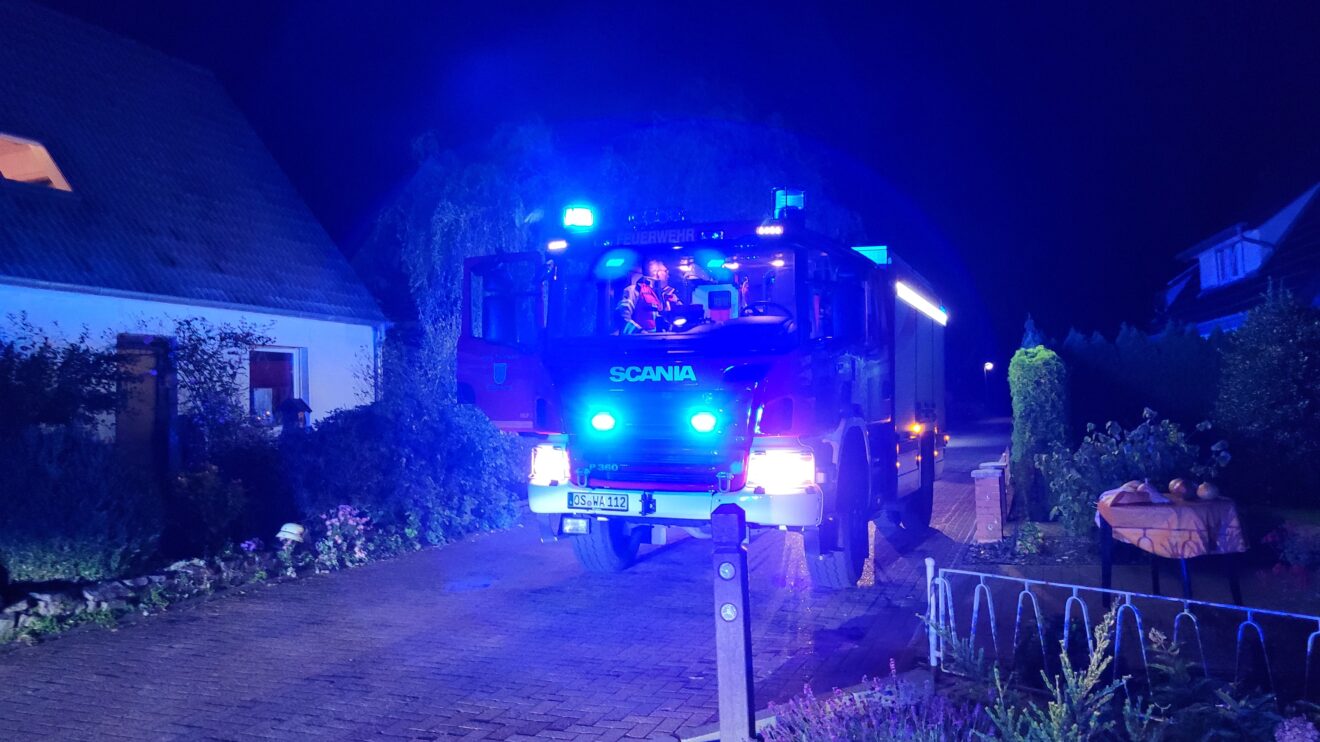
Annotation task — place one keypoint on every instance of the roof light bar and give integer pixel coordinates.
(921, 303)
(770, 230)
(556, 245)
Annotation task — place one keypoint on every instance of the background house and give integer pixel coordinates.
(1230, 271)
(134, 193)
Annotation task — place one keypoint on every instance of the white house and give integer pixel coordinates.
(1229, 272)
(133, 193)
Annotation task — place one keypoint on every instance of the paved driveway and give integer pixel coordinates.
(498, 637)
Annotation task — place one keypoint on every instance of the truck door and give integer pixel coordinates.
(502, 333)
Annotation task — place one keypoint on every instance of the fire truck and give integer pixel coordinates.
(669, 368)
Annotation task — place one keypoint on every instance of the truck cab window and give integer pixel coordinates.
(507, 303)
(836, 299)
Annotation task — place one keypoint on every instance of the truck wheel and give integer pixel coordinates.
(611, 546)
(843, 566)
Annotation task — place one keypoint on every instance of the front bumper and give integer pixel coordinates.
(793, 509)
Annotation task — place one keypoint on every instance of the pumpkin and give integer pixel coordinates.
(1179, 487)
(1207, 491)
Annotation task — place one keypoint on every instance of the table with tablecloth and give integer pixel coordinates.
(1169, 527)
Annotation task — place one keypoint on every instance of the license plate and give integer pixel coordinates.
(597, 501)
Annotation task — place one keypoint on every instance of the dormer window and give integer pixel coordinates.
(1229, 261)
(25, 161)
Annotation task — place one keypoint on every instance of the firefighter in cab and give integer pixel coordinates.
(645, 298)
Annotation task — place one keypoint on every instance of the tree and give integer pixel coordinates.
(1031, 337)
(1269, 399)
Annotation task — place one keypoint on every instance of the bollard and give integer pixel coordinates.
(733, 626)
(932, 645)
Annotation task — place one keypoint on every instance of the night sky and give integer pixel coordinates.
(1043, 157)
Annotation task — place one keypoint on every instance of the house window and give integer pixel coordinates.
(1229, 263)
(274, 377)
(28, 162)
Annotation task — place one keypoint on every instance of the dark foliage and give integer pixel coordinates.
(1269, 402)
(416, 462)
(1175, 371)
(47, 381)
(1158, 450)
(68, 511)
(1039, 385)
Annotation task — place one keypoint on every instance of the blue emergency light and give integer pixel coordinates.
(703, 422)
(579, 217)
(603, 421)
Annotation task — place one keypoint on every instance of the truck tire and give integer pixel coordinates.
(843, 566)
(611, 546)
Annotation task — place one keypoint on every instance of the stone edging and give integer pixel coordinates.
(42, 613)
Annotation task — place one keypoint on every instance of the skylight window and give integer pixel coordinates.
(25, 161)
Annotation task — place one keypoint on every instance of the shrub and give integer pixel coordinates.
(1295, 547)
(1156, 449)
(1038, 382)
(203, 507)
(426, 475)
(44, 381)
(890, 709)
(1269, 400)
(210, 361)
(1028, 540)
(69, 512)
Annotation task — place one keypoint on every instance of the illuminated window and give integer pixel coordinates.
(274, 378)
(28, 162)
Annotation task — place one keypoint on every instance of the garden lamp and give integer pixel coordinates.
(291, 532)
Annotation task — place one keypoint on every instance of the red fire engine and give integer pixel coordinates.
(669, 369)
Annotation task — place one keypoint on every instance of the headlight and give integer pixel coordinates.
(781, 469)
(549, 465)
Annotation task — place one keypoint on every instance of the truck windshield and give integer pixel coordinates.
(669, 290)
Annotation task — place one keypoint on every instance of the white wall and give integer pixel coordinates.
(337, 353)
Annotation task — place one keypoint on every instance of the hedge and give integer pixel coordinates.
(1038, 382)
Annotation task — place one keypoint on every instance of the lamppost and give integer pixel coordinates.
(985, 375)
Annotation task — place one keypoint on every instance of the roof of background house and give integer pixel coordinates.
(173, 197)
(1294, 265)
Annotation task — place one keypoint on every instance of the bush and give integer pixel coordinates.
(203, 508)
(1038, 382)
(429, 475)
(1269, 401)
(44, 381)
(890, 709)
(1156, 449)
(69, 512)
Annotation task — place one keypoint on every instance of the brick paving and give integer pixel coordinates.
(497, 637)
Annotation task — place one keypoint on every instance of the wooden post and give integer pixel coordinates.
(733, 626)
